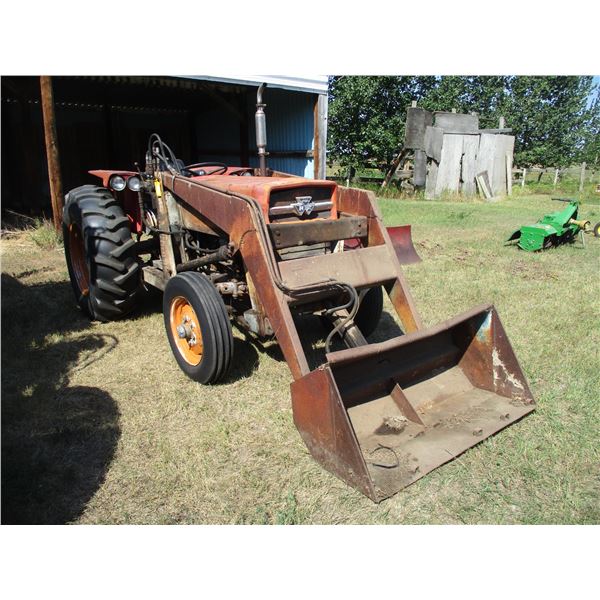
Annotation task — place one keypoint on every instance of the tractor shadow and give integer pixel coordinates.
(58, 440)
(245, 359)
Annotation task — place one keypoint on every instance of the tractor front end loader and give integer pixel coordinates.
(260, 248)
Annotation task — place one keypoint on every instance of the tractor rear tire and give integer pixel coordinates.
(197, 327)
(101, 254)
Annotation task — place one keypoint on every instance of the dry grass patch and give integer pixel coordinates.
(100, 426)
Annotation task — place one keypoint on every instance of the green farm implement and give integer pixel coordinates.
(553, 229)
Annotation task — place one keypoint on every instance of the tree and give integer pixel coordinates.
(551, 117)
(485, 96)
(590, 149)
(367, 115)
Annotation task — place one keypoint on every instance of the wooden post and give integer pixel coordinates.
(394, 166)
(508, 160)
(320, 137)
(556, 177)
(582, 177)
(56, 192)
(523, 180)
(501, 123)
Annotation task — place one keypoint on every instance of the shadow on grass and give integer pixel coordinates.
(57, 441)
(245, 361)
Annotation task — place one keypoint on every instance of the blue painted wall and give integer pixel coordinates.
(290, 127)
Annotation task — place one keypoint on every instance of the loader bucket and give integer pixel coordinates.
(381, 416)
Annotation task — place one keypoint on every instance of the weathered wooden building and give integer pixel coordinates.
(452, 154)
(105, 121)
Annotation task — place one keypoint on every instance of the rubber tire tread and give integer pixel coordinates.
(114, 272)
(216, 332)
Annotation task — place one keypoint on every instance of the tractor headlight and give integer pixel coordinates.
(117, 183)
(133, 183)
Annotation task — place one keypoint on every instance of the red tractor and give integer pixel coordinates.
(258, 247)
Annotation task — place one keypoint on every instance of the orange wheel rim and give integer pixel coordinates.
(185, 329)
(78, 262)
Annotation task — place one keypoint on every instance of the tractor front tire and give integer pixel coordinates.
(100, 252)
(197, 327)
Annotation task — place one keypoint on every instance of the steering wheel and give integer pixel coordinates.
(221, 167)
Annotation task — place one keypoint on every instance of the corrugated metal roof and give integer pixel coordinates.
(315, 84)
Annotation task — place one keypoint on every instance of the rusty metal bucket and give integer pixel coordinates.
(382, 416)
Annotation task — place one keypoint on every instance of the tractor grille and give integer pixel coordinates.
(286, 204)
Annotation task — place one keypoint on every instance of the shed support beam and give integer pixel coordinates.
(320, 144)
(50, 137)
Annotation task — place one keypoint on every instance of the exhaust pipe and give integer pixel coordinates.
(260, 120)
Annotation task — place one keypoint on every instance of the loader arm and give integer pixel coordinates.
(242, 219)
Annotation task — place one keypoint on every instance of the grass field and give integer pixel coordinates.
(100, 426)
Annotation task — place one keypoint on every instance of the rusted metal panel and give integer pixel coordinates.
(323, 423)
(360, 268)
(286, 235)
(154, 277)
(428, 397)
(353, 201)
(401, 239)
